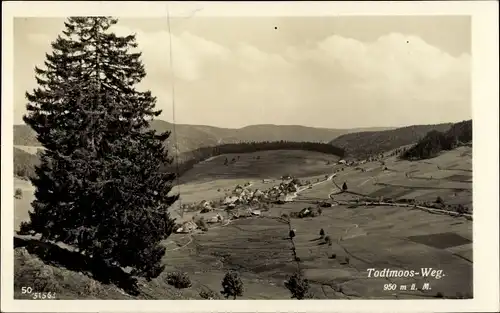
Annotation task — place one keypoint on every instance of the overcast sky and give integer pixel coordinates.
(334, 72)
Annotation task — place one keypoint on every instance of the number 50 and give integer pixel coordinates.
(25, 290)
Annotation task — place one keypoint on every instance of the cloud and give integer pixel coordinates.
(189, 52)
(39, 38)
(334, 82)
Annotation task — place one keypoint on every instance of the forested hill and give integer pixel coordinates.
(192, 137)
(435, 141)
(365, 144)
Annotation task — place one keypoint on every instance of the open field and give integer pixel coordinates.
(260, 165)
(398, 238)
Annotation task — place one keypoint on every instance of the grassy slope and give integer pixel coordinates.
(258, 248)
(362, 144)
(259, 165)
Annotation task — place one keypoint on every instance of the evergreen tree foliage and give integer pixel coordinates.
(232, 286)
(298, 286)
(99, 186)
(434, 142)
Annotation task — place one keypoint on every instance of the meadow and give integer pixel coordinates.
(362, 236)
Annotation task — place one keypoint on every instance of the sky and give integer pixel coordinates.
(331, 72)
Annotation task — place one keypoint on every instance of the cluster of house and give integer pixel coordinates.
(244, 201)
(241, 195)
(360, 162)
(351, 162)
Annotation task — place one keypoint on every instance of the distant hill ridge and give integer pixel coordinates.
(365, 144)
(192, 137)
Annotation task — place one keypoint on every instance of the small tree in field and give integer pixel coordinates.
(322, 233)
(232, 286)
(344, 186)
(99, 186)
(18, 194)
(298, 286)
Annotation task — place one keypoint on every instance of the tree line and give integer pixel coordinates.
(435, 141)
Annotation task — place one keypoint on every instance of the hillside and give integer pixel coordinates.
(261, 164)
(24, 163)
(435, 141)
(188, 160)
(24, 136)
(191, 137)
(364, 144)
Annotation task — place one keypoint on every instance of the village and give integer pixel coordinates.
(245, 202)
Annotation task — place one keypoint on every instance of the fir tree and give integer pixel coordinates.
(298, 287)
(232, 286)
(99, 186)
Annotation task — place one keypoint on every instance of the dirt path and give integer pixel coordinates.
(303, 188)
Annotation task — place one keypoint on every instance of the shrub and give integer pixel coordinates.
(439, 295)
(18, 193)
(291, 233)
(461, 209)
(328, 240)
(232, 286)
(209, 294)
(333, 256)
(320, 211)
(324, 204)
(45, 281)
(322, 233)
(298, 286)
(179, 280)
(439, 200)
(344, 186)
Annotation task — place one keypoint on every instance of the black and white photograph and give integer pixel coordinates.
(200, 156)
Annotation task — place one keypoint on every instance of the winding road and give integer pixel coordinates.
(331, 195)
